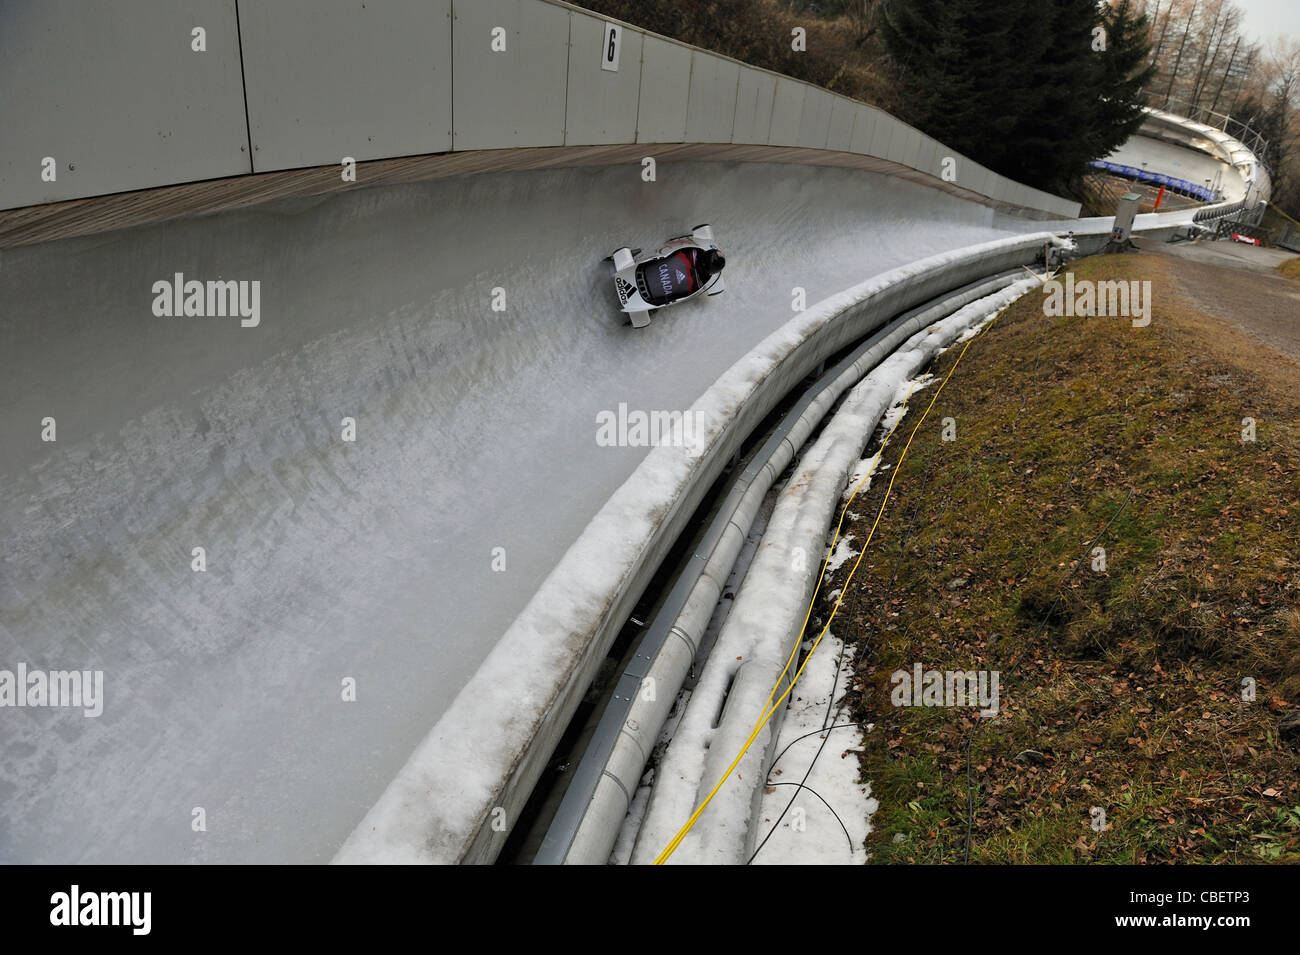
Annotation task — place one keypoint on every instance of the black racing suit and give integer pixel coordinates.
(672, 277)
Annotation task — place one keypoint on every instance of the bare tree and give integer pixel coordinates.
(1153, 22)
(1178, 60)
(1227, 72)
(1226, 20)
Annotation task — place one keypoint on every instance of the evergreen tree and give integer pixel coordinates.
(1125, 68)
(1018, 85)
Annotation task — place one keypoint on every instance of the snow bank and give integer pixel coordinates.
(768, 617)
(818, 740)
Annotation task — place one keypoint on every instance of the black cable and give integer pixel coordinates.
(824, 803)
(802, 785)
(824, 729)
(826, 720)
(808, 772)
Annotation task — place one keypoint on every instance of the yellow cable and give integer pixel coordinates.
(771, 707)
(830, 551)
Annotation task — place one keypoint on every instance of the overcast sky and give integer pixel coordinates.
(1266, 19)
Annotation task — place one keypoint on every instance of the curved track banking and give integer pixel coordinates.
(1172, 160)
(328, 560)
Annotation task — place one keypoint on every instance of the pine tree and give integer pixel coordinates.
(1125, 68)
(1018, 85)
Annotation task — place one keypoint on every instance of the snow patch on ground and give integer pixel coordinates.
(817, 740)
(842, 553)
(860, 478)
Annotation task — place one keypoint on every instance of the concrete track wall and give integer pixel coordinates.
(113, 94)
(119, 99)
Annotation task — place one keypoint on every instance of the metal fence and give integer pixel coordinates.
(1242, 132)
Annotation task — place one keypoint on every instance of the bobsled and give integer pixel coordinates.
(683, 268)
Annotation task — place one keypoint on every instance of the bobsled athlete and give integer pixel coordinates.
(685, 267)
(680, 274)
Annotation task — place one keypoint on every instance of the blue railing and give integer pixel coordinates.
(1171, 182)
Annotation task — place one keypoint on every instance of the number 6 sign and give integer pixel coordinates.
(609, 49)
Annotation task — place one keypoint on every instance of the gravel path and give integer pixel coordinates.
(1239, 284)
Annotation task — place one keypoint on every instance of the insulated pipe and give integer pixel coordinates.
(647, 690)
(766, 629)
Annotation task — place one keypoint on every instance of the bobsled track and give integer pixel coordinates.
(475, 430)
(394, 562)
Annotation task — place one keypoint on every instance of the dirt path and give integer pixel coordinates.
(1239, 284)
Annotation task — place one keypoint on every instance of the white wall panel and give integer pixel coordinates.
(815, 123)
(754, 95)
(601, 104)
(319, 88)
(515, 97)
(927, 160)
(711, 106)
(665, 91)
(882, 132)
(904, 145)
(116, 96)
(843, 113)
(864, 127)
(787, 112)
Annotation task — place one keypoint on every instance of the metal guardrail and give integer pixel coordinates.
(1219, 212)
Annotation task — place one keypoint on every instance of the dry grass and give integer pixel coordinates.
(1125, 683)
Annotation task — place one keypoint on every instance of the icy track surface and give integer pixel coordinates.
(329, 560)
(1178, 161)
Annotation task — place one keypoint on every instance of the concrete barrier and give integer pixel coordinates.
(311, 102)
(115, 97)
(286, 84)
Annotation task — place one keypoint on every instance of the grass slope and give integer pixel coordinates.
(1121, 689)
